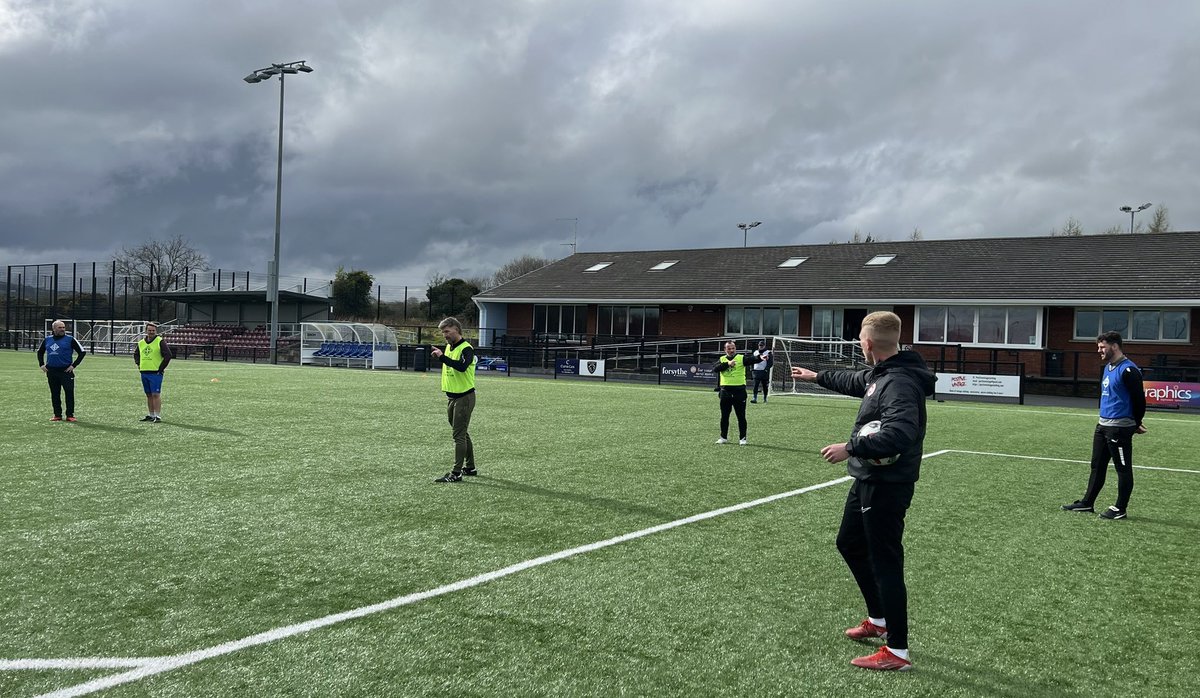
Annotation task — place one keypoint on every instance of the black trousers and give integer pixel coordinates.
(762, 378)
(871, 542)
(60, 380)
(1115, 444)
(733, 397)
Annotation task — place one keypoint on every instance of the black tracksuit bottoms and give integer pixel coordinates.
(60, 380)
(733, 397)
(870, 540)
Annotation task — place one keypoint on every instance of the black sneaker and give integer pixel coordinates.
(1079, 505)
(450, 477)
(1112, 513)
(156, 419)
(470, 472)
(147, 418)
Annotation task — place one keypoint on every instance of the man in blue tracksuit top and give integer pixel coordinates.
(54, 358)
(1122, 407)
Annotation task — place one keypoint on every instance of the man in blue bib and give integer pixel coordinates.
(54, 358)
(1122, 407)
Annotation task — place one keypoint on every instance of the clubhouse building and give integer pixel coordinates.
(1037, 301)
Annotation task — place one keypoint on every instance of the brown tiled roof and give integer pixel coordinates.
(1161, 268)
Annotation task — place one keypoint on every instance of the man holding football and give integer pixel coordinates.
(884, 454)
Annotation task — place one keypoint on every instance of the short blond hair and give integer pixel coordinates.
(883, 327)
(450, 322)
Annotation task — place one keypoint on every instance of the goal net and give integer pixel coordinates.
(813, 354)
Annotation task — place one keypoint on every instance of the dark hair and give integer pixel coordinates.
(1110, 338)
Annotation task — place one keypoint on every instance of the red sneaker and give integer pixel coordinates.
(865, 631)
(883, 660)
(72, 419)
(56, 419)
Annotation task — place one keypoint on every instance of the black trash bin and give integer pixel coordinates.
(1054, 364)
(420, 359)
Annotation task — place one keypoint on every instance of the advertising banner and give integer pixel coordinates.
(579, 367)
(688, 373)
(977, 384)
(1171, 394)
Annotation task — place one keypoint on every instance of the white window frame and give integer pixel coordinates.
(1101, 310)
(597, 267)
(879, 260)
(793, 262)
(661, 266)
(760, 308)
(1038, 340)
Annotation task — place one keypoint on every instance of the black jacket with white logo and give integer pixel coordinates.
(893, 392)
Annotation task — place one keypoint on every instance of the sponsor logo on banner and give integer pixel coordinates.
(566, 367)
(1172, 394)
(591, 367)
(688, 373)
(978, 384)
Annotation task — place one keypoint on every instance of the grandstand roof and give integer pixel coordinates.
(233, 296)
(1160, 269)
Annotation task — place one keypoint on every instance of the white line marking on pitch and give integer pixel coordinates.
(1066, 460)
(158, 665)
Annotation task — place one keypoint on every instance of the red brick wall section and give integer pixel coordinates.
(520, 319)
(700, 321)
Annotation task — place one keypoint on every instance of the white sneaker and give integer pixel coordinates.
(741, 442)
(722, 440)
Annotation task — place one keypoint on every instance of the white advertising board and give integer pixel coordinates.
(978, 384)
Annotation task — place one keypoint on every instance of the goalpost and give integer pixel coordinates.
(813, 354)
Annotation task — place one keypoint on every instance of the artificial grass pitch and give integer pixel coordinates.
(277, 495)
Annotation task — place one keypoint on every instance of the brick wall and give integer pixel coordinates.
(700, 321)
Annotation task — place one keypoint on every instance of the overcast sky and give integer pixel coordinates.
(452, 135)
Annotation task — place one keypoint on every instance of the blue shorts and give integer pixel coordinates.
(152, 383)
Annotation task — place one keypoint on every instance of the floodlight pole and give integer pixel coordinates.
(282, 70)
(746, 230)
(1133, 212)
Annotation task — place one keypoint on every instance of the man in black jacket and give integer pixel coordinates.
(884, 454)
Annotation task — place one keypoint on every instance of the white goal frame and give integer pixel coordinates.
(814, 353)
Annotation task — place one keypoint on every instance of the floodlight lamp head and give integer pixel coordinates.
(289, 70)
(755, 223)
(252, 78)
(1126, 209)
(304, 68)
(1144, 206)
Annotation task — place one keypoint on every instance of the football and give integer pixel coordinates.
(873, 428)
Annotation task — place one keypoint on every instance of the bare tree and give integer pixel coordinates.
(916, 235)
(517, 267)
(1071, 229)
(1159, 223)
(162, 265)
(1114, 230)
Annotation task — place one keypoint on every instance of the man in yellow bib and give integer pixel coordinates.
(458, 382)
(151, 357)
(732, 369)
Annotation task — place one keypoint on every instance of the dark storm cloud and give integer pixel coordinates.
(450, 136)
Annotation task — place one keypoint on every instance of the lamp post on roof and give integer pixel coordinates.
(260, 75)
(1133, 212)
(746, 230)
